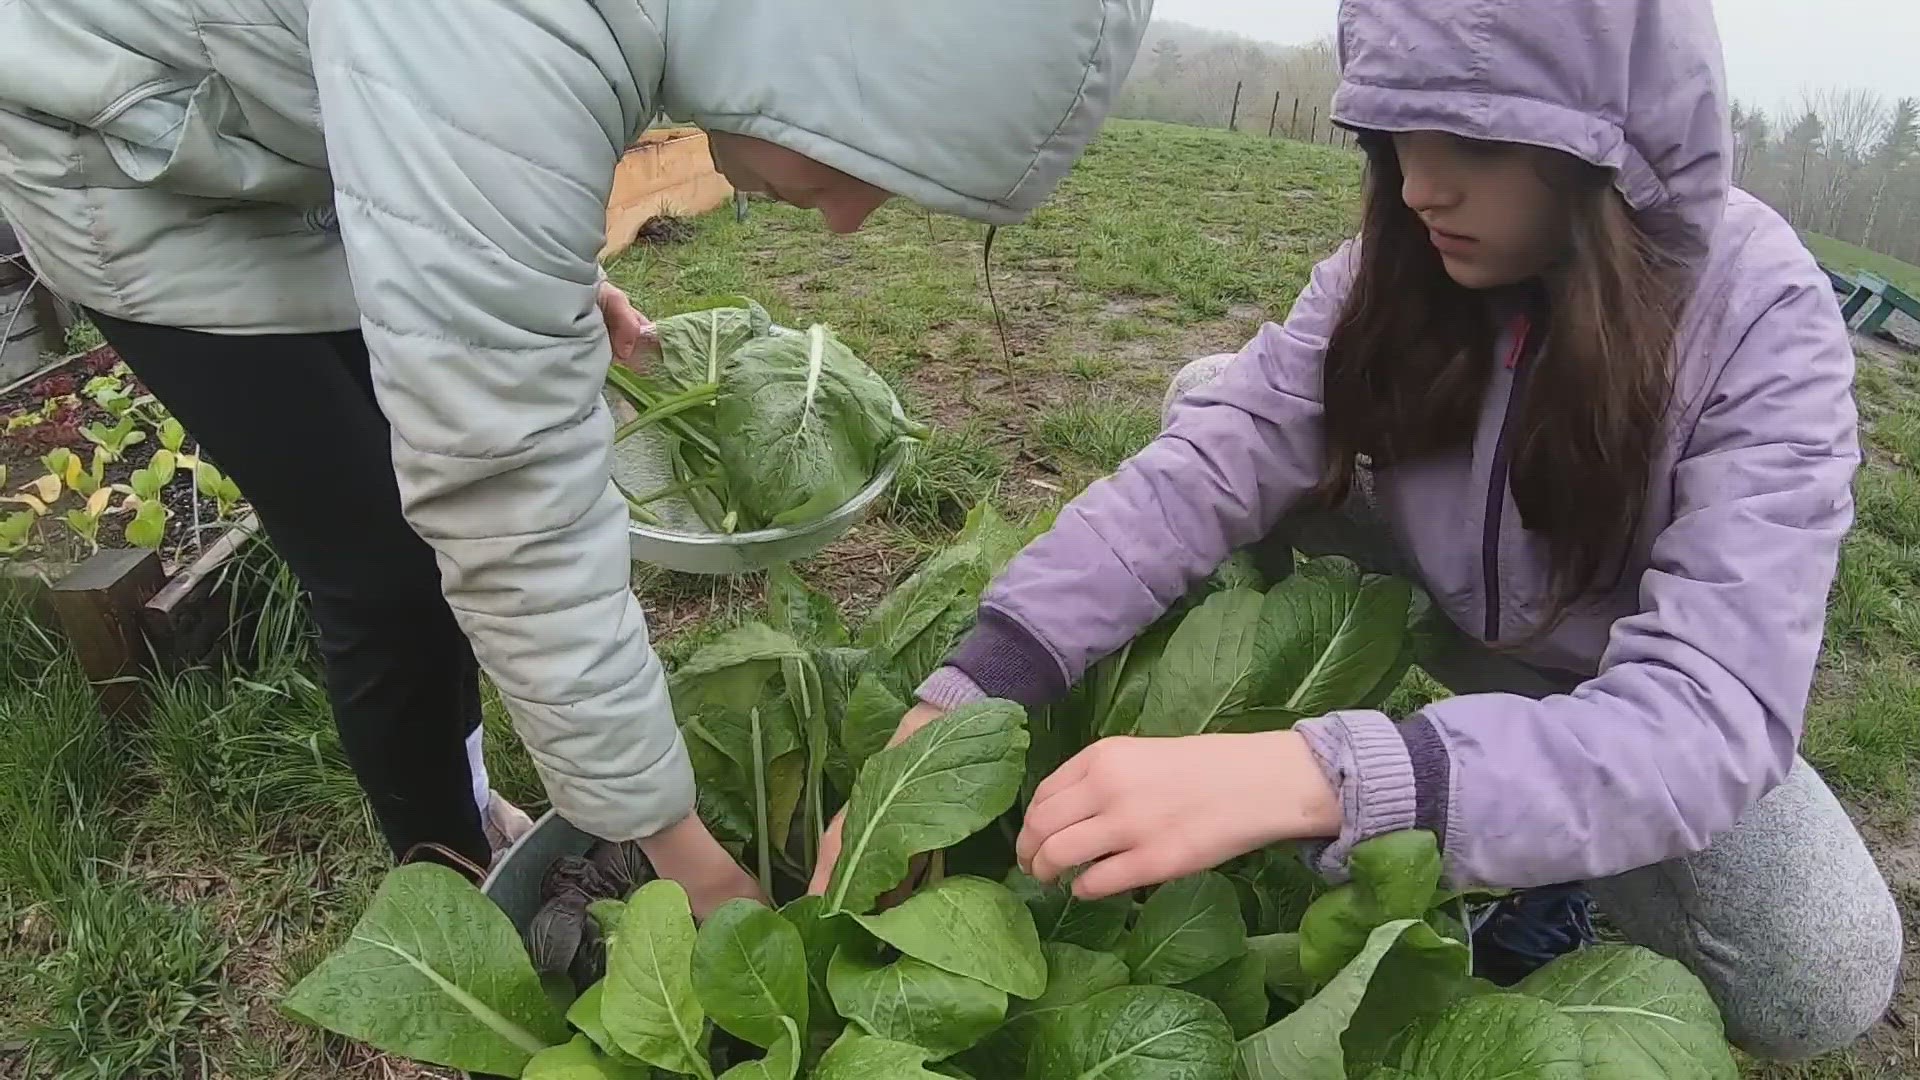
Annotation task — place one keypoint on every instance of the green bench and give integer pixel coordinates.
(1873, 299)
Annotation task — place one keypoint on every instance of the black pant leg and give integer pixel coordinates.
(293, 420)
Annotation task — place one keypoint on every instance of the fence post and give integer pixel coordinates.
(1293, 125)
(1233, 117)
(1313, 126)
(1274, 118)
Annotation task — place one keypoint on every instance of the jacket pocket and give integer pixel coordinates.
(193, 141)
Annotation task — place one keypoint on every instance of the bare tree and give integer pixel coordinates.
(1853, 122)
(1892, 159)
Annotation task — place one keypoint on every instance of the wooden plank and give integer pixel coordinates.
(186, 618)
(98, 606)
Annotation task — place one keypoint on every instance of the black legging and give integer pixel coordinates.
(292, 418)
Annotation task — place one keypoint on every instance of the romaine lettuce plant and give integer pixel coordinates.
(1255, 970)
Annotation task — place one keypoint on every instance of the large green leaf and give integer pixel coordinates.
(801, 611)
(1503, 1036)
(801, 423)
(648, 1005)
(1332, 638)
(1134, 1033)
(911, 1001)
(872, 716)
(951, 576)
(821, 936)
(1422, 976)
(997, 538)
(1280, 967)
(969, 926)
(1306, 1044)
(1239, 987)
(1395, 877)
(947, 781)
(1187, 928)
(732, 672)
(584, 1014)
(1275, 889)
(580, 1060)
(1060, 916)
(695, 345)
(1117, 685)
(1638, 1014)
(782, 1061)
(1074, 974)
(917, 624)
(750, 971)
(436, 972)
(855, 1056)
(1208, 673)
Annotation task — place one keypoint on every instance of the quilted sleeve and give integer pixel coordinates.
(473, 145)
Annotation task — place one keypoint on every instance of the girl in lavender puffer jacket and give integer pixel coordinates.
(1598, 403)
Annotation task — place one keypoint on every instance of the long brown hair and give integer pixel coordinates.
(1409, 362)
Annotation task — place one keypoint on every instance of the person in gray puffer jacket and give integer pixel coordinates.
(1603, 400)
(351, 245)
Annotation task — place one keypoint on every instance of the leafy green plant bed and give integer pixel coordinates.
(754, 426)
(89, 459)
(1256, 969)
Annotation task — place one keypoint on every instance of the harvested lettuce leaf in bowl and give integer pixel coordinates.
(750, 444)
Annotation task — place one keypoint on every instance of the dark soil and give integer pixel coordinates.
(21, 451)
(666, 229)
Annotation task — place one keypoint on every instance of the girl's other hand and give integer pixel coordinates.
(916, 718)
(688, 854)
(1135, 812)
(632, 335)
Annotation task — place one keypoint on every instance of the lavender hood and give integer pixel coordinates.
(1691, 676)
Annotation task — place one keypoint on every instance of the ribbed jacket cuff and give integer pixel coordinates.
(949, 688)
(1367, 761)
(1432, 770)
(1005, 661)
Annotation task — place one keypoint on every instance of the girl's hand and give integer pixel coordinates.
(1137, 812)
(916, 718)
(687, 853)
(631, 333)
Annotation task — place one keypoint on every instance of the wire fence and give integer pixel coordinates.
(1286, 120)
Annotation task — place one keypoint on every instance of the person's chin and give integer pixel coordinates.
(1472, 275)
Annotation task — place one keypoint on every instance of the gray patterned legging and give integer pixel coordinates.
(1785, 918)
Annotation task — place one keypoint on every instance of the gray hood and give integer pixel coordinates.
(974, 109)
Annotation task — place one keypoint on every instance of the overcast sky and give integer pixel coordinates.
(1775, 48)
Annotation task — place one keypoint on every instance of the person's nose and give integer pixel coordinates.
(1427, 185)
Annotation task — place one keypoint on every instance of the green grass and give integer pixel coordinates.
(161, 885)
(1099, 431)
(1848, 258)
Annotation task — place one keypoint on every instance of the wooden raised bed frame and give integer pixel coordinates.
(667, 172)
(122, 613)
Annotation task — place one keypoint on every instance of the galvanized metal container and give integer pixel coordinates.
(514, 880)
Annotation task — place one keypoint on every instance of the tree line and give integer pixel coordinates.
(1843, 162)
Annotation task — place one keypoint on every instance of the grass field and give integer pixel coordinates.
(161, 883)
(1847, 258)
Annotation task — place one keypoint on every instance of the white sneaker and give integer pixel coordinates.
(504, 823)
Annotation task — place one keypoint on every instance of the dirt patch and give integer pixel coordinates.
(665, 229)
